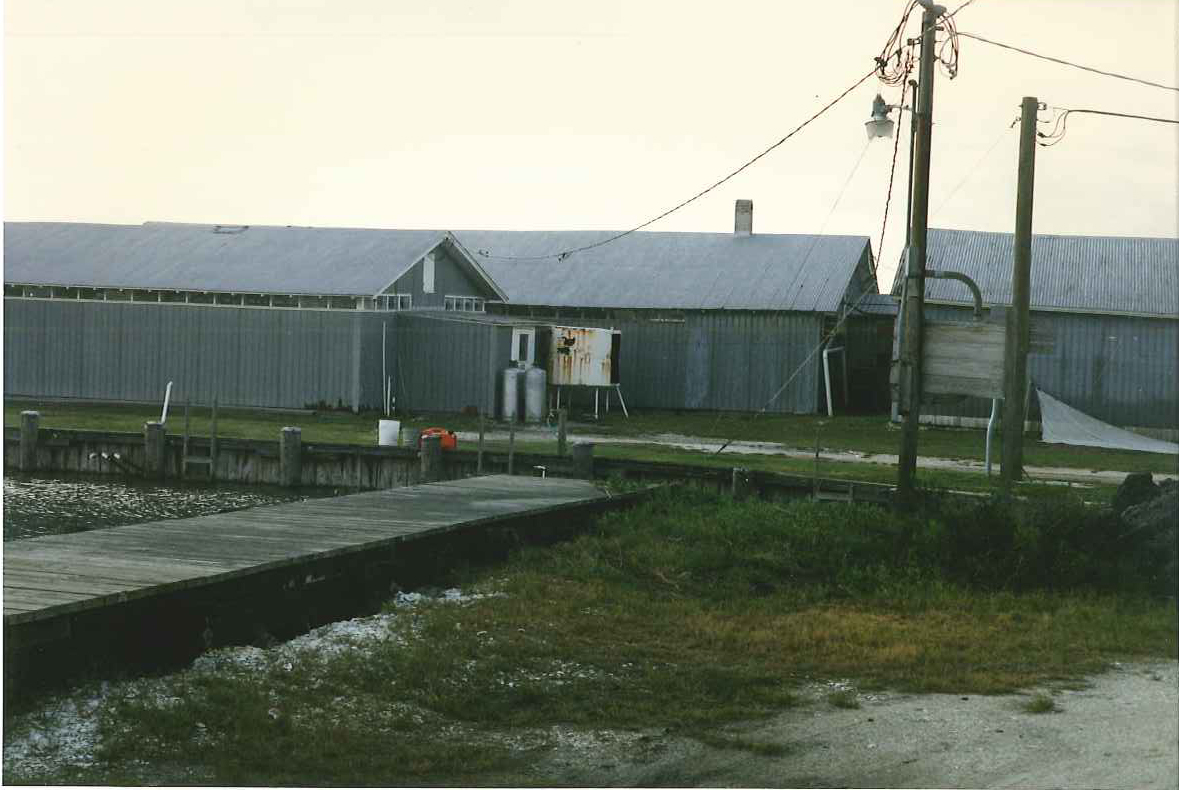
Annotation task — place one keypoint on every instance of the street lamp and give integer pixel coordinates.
(880, 125)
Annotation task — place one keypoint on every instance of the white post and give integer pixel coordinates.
(167, 398)
(991, 430)
(827, 379)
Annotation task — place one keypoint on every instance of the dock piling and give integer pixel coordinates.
(154, 461)
(583, 460)
(30, 427)
(290, 457)
(431, 458)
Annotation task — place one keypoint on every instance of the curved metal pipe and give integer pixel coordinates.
(960, 277)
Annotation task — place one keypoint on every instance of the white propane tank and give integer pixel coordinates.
(534, 394)
(511, 393)
(388, 431)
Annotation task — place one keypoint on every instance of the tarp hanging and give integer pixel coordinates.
(1063, 424)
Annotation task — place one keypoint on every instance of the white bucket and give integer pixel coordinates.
(387, 432)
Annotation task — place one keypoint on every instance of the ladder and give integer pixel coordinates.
(188, 459)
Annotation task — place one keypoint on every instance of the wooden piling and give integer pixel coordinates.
(431, 457)
(30, 428)
(583, 460)
(290, 457)
(154, 462)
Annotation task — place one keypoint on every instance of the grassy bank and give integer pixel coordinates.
(687, 614)
(870, 435)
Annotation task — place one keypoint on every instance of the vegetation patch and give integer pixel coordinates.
(1040, 703)
(686, 615)
(844, 698)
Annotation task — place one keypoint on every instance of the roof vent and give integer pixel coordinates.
(230, 228)
(743, 218)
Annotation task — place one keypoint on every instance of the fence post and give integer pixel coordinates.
(583, 460)
(479, 468)
(290, 457)
(561, 434)
(431, 458)
(153, 450)
(511, 447)
(30, 427)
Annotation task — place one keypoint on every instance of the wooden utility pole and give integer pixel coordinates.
(1015, 373)
(914, 306)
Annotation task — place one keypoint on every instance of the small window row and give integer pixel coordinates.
(466, 304)
(185, 297)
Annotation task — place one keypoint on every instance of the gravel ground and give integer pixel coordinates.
(1089, 476)
(1120, 731)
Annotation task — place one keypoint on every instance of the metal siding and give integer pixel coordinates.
(725, 360)
(129, 351)
(443, 365)
(1119, 369)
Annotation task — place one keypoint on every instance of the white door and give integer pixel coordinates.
(524, 345)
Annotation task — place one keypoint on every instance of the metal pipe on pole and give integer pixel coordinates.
(914, 305)
(1018, 320)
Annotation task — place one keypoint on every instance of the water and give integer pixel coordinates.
(40, 505)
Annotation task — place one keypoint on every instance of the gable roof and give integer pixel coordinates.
(686, 271)
(704, 271)
(255, 259)
(1083, 274)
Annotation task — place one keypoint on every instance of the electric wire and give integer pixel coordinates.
(896, 145)
(566, 253)
(814, 242)
(1063, 62)
(1060, 123)
(972, 169)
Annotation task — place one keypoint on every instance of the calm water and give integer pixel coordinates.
(54, 505)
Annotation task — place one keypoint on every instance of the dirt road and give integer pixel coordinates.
(1120, 731)
(1103, 477)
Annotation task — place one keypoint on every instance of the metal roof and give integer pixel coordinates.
(1083, 274)
(643, 270)
(163, 255)
(686, 271)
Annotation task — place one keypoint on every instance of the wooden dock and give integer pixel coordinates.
(52, 580)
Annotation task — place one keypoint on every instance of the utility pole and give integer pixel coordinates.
(914, 306)
(1015, 373)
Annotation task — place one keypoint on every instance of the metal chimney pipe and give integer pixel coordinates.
(743, 218)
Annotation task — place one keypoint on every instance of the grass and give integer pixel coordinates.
(1040, 703)
(844, 698)
(862, 434)
(690, 614)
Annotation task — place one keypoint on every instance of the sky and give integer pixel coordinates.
(535, 114)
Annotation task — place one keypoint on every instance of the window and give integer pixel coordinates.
(428, 273)
(279, 300)
(342, 302)
(257, 300)
(14, 290)
(468, 304)
(200, 298)
(118, 295)
(395, 302)
(234, 299)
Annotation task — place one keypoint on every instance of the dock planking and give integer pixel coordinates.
(60, 575)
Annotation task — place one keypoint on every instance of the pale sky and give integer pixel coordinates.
(538, 114)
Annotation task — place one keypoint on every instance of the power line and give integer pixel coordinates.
(1068, 62)
(971, 171)
(1060, 125)
(896, 145)
(566, 253)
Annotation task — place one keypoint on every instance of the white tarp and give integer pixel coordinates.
(1063, 424)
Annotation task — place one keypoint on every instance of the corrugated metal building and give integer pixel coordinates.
(286, 316)
(1109, 306)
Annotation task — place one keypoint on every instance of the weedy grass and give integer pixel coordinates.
(844, 698)
(689, 614)
(1040, 703)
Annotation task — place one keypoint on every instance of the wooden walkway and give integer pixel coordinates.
(58, 576)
